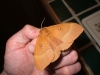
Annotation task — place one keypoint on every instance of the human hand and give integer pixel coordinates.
(19, 55)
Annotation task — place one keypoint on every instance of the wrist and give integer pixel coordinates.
(3, 73)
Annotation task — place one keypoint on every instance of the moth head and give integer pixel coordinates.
(43, 30)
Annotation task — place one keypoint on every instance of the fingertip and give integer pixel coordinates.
(30, 31)
(74, 55)
(70, 57)
(79, 66)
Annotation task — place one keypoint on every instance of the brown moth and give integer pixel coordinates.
(52, 40)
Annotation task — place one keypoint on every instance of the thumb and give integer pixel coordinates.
(23, 37)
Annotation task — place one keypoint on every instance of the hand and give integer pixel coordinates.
(19, 55)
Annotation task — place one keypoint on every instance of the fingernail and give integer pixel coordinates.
(31, 48)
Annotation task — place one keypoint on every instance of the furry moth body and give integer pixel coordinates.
(52, 40)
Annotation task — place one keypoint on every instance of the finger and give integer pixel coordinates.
(30, 32)
(22, 37)
(65, 52)
(68, 59)
(64, 61)
(69, 70)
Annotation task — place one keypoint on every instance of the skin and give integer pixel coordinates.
(18, 59)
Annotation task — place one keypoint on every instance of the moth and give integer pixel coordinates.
(52, 40)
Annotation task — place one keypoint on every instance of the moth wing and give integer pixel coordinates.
(43, 54)
(67, 33)
(58, 45)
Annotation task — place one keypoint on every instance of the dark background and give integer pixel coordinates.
(14, 14)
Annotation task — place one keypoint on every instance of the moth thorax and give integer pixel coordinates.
(40, 45)
(59, 28)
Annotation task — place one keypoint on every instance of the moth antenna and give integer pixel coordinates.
(42, 22)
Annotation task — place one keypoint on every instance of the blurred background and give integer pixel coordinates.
(14, 14)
